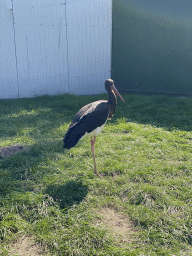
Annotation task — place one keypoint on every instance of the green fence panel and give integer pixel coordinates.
(152, 46)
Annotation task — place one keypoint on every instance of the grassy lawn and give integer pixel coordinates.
(51, 195)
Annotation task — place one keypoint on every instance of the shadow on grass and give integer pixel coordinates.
(164, 111)
(23, 171)
(21, 176)
(68, 194)
(43, 116)
(38, 116)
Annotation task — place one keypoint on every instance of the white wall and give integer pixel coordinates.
(8, 74)
(54, 46)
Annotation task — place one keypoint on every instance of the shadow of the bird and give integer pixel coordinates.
(68, 194)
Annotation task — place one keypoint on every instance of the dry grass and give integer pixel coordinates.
(12, 150)
(26, 246)
(119, 225)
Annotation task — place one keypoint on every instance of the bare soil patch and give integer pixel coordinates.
(26, 246)
(119, 225)
(11, 150)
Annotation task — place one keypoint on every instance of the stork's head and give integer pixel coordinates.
(109, 86)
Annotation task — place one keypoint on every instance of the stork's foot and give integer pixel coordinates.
(100, 176)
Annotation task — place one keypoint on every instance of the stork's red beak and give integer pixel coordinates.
(115, 91)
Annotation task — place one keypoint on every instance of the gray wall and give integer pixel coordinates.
(152, 46)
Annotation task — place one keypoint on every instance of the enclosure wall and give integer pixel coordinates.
(55, 46)
(152, 46)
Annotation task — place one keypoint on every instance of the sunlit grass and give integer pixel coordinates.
(144, 154)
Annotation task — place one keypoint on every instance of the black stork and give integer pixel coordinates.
(91, 119)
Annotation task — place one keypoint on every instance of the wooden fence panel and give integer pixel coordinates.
(41, 47)
(8, 74)
(89, 45)
(52, 47)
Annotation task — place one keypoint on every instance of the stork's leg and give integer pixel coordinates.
(93, 152)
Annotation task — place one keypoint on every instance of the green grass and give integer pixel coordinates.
(144, 153)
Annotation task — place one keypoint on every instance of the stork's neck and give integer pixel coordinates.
(112, 101)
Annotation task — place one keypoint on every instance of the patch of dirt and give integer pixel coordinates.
(11, 150)
(119, 225)
(26, 246)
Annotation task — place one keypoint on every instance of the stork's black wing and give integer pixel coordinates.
(87, 119)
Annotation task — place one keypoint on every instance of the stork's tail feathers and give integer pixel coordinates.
(72, 136)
